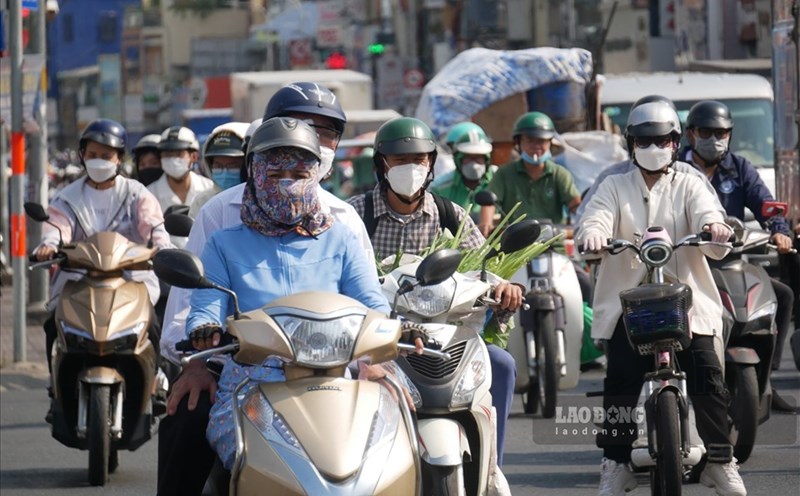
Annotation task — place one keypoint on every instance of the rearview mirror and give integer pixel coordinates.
(485, 198)
(520, 235)
(178, 224)
(771, 208)
(438, 266)
(180, 268)
(36, 212)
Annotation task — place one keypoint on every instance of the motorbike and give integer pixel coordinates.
(454, 407)
(319, 432)
(547, 337)
(749, 333)
(656, 318)
(105, 383)
(546, 342)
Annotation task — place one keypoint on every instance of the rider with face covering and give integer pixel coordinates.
(286, 244)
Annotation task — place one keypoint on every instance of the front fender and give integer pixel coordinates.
(100, 375)
(442, 442)
(739, 354)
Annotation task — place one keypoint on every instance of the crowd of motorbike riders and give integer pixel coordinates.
(258, 186)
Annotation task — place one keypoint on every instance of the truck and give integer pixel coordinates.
(250, 91)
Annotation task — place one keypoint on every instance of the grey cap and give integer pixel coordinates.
(280, 132)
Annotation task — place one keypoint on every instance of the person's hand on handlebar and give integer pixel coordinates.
(595, 243)
(45, 252)
(508, 295)
(782, 242)
(413, 333)
(206, 336)
(720, 232)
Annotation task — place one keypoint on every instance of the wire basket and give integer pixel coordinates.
(657, 313)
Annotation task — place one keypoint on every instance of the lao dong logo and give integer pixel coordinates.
(585, 415)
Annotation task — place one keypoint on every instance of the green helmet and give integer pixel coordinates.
(400, 136)
(534, 124)
(459, 130)
(472, 142)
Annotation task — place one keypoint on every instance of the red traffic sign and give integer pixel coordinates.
(413, 78)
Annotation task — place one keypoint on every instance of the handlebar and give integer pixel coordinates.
(616, 246)
(425, 351)
(491, 301)
(35, 263)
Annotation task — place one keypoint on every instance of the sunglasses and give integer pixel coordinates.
(706, 132)
(659, 141)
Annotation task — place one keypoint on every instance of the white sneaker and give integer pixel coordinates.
(724, 477)
(616, 479)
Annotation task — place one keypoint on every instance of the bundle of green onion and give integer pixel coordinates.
(504, 265)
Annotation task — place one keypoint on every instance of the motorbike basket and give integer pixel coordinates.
(657, 313)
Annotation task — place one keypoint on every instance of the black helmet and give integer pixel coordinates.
(711, 114)
(283, 132)
(106, 132)
(654, 98)
(308, 98)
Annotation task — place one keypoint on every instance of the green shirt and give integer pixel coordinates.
(452, 187)
(544, 198)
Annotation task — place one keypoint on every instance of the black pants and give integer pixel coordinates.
(184, 456)
(50, 334)
(624, 378)
(783, 318)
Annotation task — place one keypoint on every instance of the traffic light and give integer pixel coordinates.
(666, 18)
(376, 48)
(336, 60)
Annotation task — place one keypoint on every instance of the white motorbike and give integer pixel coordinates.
(546, 340)
(457, 432)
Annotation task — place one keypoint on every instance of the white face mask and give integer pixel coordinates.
(473, 170)
(100, 170)
(407, 179)
(653, 158)
(325, 162)
(175, 167)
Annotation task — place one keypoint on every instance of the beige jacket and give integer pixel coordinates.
(623, 208)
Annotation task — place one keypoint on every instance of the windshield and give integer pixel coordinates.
(752, 133)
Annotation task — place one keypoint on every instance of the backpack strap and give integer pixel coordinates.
(370, 222)
(447, 214)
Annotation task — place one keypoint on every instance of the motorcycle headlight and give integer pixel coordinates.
(269, 424)
(430, 301)
(321, 343)
(656, 252)
(767, 310)
(474, 375)
(77, 339)
(125, 340)
(392, 368)
(384, 423)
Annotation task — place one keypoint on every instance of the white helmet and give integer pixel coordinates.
(653, 119)
(147, 141)
(250, 130)
(225, 140)
(178, 138)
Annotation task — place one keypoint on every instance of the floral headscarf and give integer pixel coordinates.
(276, 206)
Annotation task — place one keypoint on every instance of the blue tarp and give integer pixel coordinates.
(479, 77)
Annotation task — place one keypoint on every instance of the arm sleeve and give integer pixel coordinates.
(600, 213)
(358, 279)
(497, 186)
(150, 219)
(701, 209)
(210, 306)
(58, 212)
(566, 186)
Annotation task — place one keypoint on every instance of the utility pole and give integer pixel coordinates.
(38, 156)
(18, 255)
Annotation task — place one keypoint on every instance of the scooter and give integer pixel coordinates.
(749, 334)
(547, 338)
(103, 364)
(656, 318)
(454, 407)
(546, 342)
(318, 432)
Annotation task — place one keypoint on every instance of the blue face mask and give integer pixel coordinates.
(226, 178)
(541, 159)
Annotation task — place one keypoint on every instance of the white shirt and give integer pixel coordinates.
(166, 197)
(221, 212)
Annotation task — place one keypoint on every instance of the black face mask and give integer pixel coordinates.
(150, 175)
